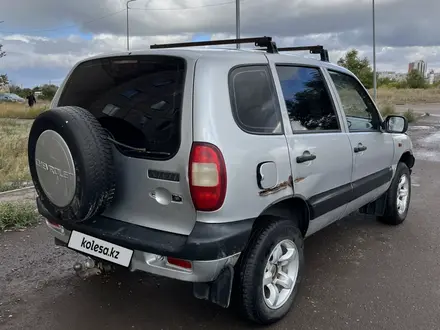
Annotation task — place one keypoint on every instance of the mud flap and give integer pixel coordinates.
(218, 291)
(377, 207)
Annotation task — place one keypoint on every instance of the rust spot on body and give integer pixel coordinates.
(280, 186)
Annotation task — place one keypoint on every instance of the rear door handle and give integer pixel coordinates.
(306, 157)
(360, 148)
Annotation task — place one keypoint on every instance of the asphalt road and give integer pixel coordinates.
(360, 275)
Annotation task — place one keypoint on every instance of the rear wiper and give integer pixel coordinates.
(140, 150)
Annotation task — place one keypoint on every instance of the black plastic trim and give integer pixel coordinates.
(207, 241)
(329, 200)
(318, 49)
(305, 158)
(371, 182)
(163, 175)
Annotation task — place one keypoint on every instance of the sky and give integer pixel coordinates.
(45, 38)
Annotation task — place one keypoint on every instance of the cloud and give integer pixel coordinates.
(53, 35)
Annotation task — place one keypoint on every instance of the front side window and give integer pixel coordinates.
(307, 99)
(359, 110)
(254, 101)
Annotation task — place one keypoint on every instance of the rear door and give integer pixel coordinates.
(145, 103)
(372, 149)
(320, 152)
(247, 128)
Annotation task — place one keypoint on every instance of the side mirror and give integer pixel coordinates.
(395, 124)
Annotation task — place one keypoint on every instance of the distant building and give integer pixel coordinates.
(431, 77)
(391, 75)
(419, 66)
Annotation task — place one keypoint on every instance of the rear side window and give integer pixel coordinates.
(254, 100)
(138, 99)
(307, 99)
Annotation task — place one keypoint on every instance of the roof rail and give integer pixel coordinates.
(258, 41)
(313, 50)
(265, 42)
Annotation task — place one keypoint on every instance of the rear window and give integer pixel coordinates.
(138, 99)
(254, 101)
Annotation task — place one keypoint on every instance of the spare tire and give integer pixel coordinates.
(71, 163)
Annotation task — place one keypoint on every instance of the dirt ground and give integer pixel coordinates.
(360, 275)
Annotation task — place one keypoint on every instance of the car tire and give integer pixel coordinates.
(253, 296)
(398, 197)
(71, 163)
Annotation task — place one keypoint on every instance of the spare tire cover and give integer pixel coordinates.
(71, 163)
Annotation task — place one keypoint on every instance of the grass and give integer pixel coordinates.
(21, 110)
(13, 153)
(390, 109)
(387, 109)
(410, 115)
(17, 215)
(407, 96)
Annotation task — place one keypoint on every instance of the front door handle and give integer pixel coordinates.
(360, 148)
(306, 157)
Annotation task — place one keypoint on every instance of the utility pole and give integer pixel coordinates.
(237, 21)
(128, 32)
(374, 54)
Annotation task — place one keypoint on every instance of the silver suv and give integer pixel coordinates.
(213, 165)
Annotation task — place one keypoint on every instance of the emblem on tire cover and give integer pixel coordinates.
(54, 170)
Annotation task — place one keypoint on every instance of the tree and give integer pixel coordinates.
(22, 92)
(14, 89)
(385, 81)
(4, 80)
(25, 92)
(360, 67)
(48, 91)
(415, 80)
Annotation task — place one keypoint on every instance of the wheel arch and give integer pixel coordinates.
(407, 158)
(293, 207)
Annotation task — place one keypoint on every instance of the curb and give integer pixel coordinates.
(11, 192)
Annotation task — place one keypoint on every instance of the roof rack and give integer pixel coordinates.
(265, 42)
(313, 50)
(258, 41)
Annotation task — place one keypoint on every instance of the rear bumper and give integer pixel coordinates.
(210, 247)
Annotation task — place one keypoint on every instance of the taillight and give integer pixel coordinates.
(207, 176)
